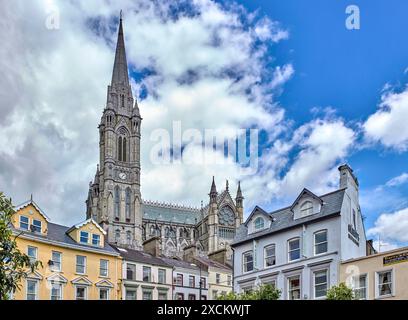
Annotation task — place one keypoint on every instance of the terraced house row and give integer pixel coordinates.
(77, 263)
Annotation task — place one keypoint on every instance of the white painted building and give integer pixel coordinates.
(187, 278)
(144, 276)
(299, 248)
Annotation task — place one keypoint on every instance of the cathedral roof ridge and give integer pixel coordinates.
(170, 205)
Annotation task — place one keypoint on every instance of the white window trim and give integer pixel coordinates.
(99, 239)
(306, 212)
(60, 262)
(32, 223)
(149, 273)
(130, 290)
(265, 256)
(377, 282)
(163, 271)
(36, 252)
(288, 285)
(86, 291)
(315, 244)
(28, 223)
(357, 278)
(243, 261)
(289, 251)
(99, 294)
(259, 218)
(107, 268)
(36, 288)
(80, 236)
(62, 290)
(76, 264)
(314, 283)
(135, 270)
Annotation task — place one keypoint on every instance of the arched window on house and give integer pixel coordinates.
(127, 203)
(306, 208)
(259, 223)
(117, 203)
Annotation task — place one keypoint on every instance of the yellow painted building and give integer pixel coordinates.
(380, 276)
(219, 277)
(77, 262)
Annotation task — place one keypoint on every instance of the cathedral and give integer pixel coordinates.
(115, 200)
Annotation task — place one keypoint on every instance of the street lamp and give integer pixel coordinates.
(199, 292)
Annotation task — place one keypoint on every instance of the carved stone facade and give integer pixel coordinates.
(114, 198)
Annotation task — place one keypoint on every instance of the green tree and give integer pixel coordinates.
(340, 292)
(264, 292)
(14, 265)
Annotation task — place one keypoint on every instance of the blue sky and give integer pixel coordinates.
(324, 94)
(347, 70)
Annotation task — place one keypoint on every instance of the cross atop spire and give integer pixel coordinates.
(120, 70)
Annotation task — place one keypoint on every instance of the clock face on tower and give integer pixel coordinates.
(226, 216)
(122, 175)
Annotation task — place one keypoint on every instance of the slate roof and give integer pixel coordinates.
(179, 263)
(58, 233)
(171, 213)
(140, 256)
(283, 218)
(211, 263)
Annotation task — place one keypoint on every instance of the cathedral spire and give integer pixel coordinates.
(120, 70)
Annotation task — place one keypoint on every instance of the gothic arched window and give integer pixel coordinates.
(122, 100)
(122, 144)
(127, 202)
(117, 203)
(129, 237)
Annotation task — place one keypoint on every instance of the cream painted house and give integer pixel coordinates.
(382, 275)
(219, 276)
(77, 262)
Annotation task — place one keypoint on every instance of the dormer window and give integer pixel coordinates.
(36, 227)
(259, 223)
(96, 239)
(24, 223)
(84, 236)
(306, 208)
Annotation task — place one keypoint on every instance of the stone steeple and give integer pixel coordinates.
(120, 70)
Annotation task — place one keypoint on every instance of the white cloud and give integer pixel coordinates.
(208, 71)
(391, 226)
(397, 181)
(381, 246)
(388, 125)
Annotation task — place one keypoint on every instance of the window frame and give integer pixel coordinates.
(245, 263)
(288, 279)
(133, 271)
(261, 225)
(26, 223)
(60, 288)
(85, 292)
(217, 278)
(35, 227)
(162, 272)
(326, 271)
(55, 263)
(99, 239)
(304, 212)
(298, 249)
(391, 283)
(101, 261)
(130, 290)
(81, 236)
(149, 274)
(33, 259)
(177, 279)
(107, 293)
(76, 264)
(315, 244)
(191, 281)
(35, 289)
(357, 286)
(150, 292)
(273, 245)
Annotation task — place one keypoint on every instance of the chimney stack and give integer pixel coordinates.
(152, 246)
(190, 252)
